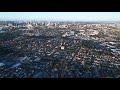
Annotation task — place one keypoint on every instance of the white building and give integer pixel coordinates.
(63, 26)
(62, 47)
(82, 32)
(29, 26)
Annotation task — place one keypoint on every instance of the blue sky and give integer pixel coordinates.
(61, 16)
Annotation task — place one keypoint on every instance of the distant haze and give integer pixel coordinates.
(61, 16)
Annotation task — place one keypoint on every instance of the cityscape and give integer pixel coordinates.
(59, 49)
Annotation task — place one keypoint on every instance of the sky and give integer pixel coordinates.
(61, 16)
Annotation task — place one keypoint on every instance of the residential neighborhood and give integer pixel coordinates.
(41, 49)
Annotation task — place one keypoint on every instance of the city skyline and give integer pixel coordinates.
(60, 16)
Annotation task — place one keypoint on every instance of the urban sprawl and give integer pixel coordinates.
(31, 49)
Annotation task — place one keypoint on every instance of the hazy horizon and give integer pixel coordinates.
(60, 16)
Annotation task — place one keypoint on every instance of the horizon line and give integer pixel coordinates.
(70, 20)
